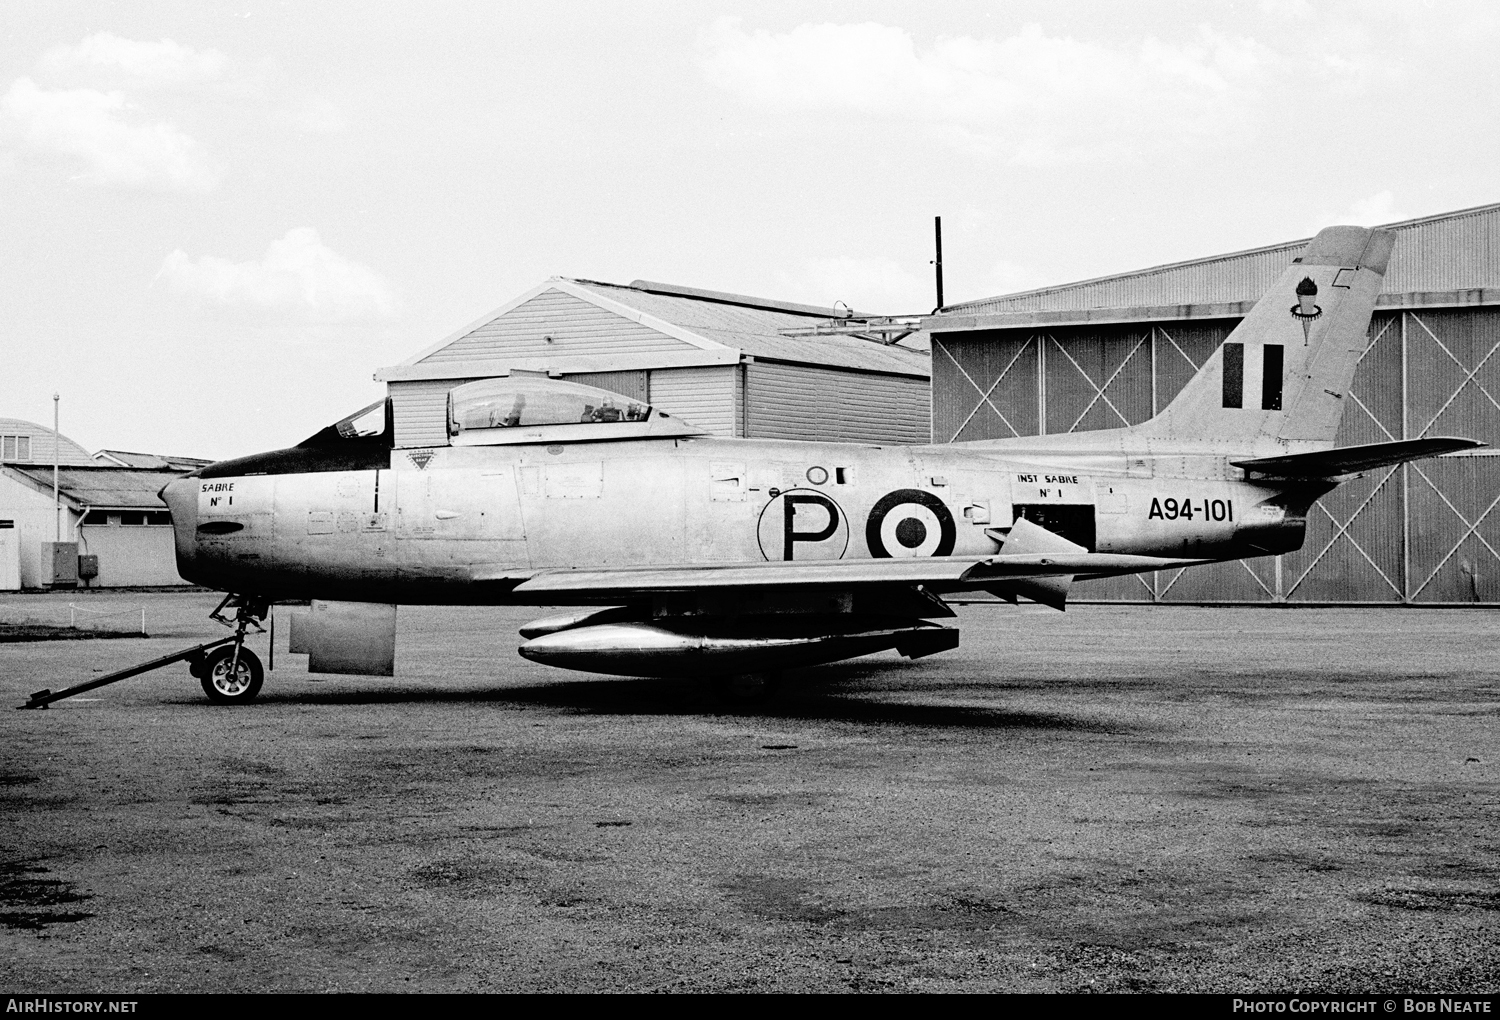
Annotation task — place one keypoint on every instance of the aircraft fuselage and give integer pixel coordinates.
(447, 525)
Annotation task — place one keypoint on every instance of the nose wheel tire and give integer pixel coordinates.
(224, 687)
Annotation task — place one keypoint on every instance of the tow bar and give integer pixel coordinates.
(43, 698)
(248, 613)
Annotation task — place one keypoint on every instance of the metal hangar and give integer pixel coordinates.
(1112, 351)
(734, 365)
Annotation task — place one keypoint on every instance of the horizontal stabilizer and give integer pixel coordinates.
(1353, 459)
(1031, 541)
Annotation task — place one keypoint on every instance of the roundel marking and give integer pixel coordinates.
(910, 523)
(802, 524)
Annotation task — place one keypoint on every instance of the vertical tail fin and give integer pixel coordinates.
(1283, 374)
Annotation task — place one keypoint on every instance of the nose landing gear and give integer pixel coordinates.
(232, 674)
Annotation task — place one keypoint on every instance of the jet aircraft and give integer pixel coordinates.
(690, 555)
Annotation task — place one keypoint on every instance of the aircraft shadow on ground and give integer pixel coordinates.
(875, 694)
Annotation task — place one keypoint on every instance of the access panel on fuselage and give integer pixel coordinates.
(458, 503)
(602, 505)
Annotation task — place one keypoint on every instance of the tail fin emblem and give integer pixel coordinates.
(1305, 309)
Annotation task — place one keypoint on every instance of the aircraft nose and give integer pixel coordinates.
(178, 495)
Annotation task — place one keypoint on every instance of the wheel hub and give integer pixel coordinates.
(228, 683)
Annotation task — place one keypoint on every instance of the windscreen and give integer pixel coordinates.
(368, 422)
(369, 426)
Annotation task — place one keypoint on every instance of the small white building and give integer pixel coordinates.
(729, 364)
(108, 506)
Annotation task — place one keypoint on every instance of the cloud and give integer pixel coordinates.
(150, 63)
(1032, 97)
(299, 274)
(104, 131)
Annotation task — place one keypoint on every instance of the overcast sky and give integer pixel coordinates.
(219, 219)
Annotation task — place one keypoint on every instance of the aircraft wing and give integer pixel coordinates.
(948, 573)
(1352, 460)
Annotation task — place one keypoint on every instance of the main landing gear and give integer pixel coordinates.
(231, 674)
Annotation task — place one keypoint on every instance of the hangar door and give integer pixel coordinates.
(1421, 533)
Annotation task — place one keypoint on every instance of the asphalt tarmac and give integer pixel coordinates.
(1115, 798)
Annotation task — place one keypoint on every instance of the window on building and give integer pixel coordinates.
(15, 447)
(159, 517)
(132, 519)
(98, 517)
(7, 524)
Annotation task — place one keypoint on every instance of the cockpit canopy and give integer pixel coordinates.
(371, 426)
(525, 408)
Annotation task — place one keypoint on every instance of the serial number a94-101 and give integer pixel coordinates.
(1208, 509)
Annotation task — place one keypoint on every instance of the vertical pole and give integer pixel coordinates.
(1405, 473)
(56, 499)
(1155, 574)
(937, 236)
(744, 400)
(1154, 409)
(1041, 384)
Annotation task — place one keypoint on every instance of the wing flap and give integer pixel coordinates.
(750, 575)
(1353, 459)
(949, 573)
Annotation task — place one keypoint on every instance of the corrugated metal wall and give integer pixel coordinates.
(702, 396)
(1451, 252)
(1425, 533)
(993, 384)
(575, 327)
(803, 402)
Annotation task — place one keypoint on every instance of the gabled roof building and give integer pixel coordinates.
(727, 363)
(107, 505)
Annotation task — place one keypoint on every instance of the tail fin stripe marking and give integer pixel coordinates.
(1270, 381)
(1234, 375)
